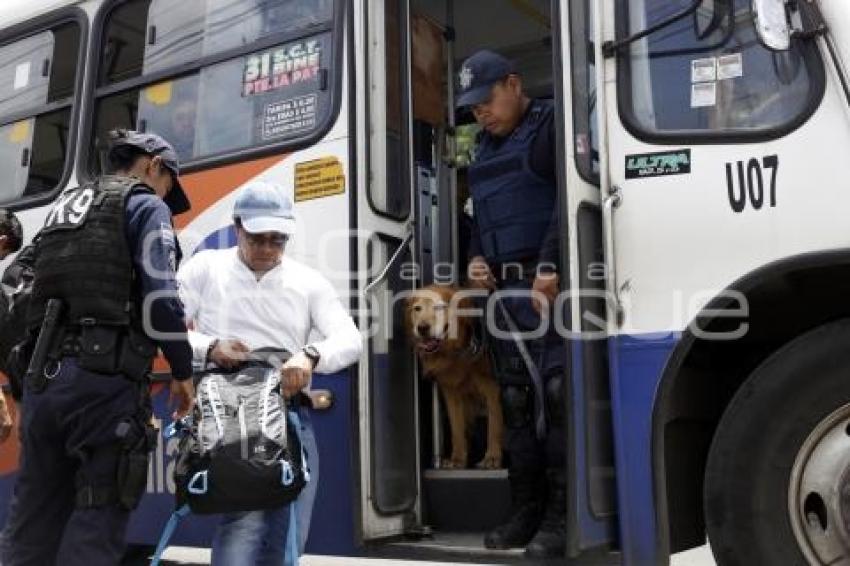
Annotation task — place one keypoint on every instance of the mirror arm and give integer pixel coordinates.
(610, 48)
(814, 24)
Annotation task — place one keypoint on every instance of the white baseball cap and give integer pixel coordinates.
(265, 207)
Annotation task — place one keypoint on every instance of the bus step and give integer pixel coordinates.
(466, 500)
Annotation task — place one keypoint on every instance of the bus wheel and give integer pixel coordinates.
(777, 481)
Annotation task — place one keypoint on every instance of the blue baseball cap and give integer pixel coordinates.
(265, 207)
(478, 74)
(153, 144)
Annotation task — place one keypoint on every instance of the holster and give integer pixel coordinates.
(43, 346)
(16, 366)
(132, 479)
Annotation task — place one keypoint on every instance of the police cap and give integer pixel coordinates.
(153, 144)
(478, 74)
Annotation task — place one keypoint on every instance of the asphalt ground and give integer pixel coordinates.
(201, 557)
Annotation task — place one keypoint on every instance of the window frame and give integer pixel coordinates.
(406, 113)
(33, 26)
(810, 53)
(590, 178)
(95, 92)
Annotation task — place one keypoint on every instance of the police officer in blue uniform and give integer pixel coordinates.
(86, 435)
(514, 249)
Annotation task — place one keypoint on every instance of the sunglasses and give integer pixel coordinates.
(259, 240)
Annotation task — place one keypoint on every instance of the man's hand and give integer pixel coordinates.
(479, 274)
(228, 354)
(295, 374)
(547, 285)
(182, 396)
(6, 421)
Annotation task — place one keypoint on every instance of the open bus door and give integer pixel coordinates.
(592, 505)
(389, 462)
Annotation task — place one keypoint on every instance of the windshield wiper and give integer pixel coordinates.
(610, 48)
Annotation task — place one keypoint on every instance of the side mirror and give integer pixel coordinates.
(771, 21)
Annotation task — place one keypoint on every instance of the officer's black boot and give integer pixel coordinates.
(551, 540)
(527, 496)
(525, 470)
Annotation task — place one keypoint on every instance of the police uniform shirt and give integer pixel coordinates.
(225, 300)
(154, 248)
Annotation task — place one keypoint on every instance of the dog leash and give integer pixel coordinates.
(536, 378)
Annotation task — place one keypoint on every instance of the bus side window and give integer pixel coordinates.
(226, 92)
(38, 74)
(169, 108)
(584, 89)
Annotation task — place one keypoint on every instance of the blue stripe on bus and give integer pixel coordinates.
(222, 238)
(592, 531)
(637, 363)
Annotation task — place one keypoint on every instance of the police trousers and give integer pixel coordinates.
(528, 452)
(63, 510)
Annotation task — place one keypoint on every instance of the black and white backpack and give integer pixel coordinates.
(241, 433)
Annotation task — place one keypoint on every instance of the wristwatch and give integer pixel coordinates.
(210, 349)
(311, 352)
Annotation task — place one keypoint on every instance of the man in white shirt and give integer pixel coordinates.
(250, 297)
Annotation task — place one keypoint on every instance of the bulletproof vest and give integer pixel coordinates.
(512, 204)
(83, 257)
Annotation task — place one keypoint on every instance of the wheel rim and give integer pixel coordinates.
(819, 492)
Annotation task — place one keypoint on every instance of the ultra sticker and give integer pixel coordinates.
(661, 164)
(318, 178)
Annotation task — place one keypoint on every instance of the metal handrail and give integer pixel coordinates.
(612, 201)
(391, 263)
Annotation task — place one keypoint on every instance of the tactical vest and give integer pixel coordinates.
(512, 204)
(83, 257)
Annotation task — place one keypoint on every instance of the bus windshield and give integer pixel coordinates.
(708, 73)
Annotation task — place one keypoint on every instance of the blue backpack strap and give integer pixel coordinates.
(167, 532)
(296, 424)
(291, 555)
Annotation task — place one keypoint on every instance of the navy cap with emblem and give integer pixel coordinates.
(478, 74)
(153, 144)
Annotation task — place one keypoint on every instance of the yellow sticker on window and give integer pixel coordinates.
(159, 94)
(319, 178)
(20, 132)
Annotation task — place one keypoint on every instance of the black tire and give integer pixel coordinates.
(758, 438)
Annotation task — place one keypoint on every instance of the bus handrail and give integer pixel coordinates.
(391, 263)
(612, 201)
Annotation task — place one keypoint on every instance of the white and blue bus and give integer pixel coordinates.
(704, 172)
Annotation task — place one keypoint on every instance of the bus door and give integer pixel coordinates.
(388, 401)
(592, 505)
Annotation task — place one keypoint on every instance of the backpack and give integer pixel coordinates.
(241, 432)
(15, 339)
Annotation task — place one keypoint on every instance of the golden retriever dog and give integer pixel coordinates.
(451, 356)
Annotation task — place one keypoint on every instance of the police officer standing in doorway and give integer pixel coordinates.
(105, 248)
(514, 248)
